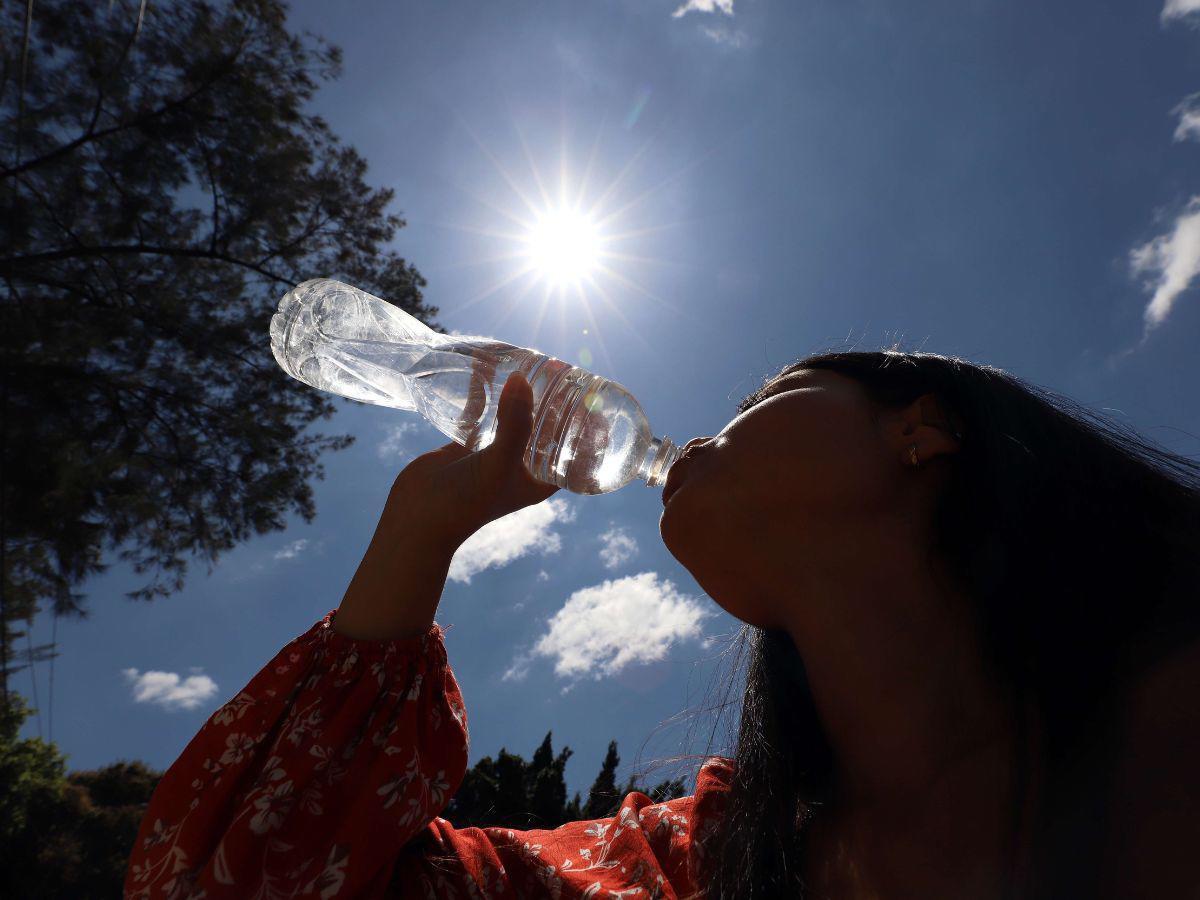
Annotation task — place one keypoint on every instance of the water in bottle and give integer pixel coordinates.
(589, 434)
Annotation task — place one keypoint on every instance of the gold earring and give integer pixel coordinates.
(912, 454)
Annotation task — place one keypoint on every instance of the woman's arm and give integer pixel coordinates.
(313, 778)
(396, 589)
(353, 739)
(440, 499)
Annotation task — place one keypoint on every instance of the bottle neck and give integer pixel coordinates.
(660, 456)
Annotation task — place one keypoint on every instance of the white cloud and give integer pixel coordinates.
(604, 628)
(1172, 260)
(511, 537)
(727, 37)
(266, 561)
(619, 547)
(578, 58)
(1177, 9)
(292, 550)
(168, 690)
(704, 6)
(543, 575)
(394, 446)
(1189, 118)
(519, 668)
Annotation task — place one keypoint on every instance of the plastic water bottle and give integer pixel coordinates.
(589, 434)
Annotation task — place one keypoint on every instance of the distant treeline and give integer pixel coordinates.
(509, 792)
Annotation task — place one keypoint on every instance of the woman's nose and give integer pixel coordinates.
(694, 442)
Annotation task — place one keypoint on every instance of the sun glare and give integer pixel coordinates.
(563, 246)
(578, 235)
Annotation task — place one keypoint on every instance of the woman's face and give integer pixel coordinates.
(791, 492)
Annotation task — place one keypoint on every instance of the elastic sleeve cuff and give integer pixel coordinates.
(346, 653)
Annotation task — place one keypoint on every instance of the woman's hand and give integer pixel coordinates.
(448, 494)
(438, 501)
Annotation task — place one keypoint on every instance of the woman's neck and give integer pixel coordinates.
(922, 732)
(956, 840)
(898, 673)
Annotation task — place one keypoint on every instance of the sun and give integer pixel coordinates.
(577, 234)
(563, 246)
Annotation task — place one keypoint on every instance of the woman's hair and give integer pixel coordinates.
(1080, 544)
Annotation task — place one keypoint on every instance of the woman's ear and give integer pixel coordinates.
(925, 423)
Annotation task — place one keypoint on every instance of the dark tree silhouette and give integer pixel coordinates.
(64, 835)
(509, 793)
(548, 788)
(603, 796)
(667, 790)
(163, 185)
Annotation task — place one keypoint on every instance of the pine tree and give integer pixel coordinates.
(547, 786)
(603, 798)
(507, 792)
(574, 809)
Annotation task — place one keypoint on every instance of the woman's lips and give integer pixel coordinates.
(690, 451)
(674, 478)
(667, 492)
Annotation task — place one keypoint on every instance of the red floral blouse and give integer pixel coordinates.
(324, 778)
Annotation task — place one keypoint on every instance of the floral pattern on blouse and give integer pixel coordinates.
(324, 777)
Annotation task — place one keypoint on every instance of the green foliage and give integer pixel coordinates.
(64, 835)
(508, 792)
(163, 185)
(32, 773)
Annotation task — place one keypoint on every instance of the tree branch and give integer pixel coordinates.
(303, 236)
(14, 263)
(212, 181)
(137, 29)
(92, 135)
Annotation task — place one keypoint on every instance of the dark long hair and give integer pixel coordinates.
(1079, 542)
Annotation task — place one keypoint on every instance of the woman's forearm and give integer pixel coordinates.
(397, 587)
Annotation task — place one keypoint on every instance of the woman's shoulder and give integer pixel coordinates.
(714, 778)
(717, 768)
(642, 845)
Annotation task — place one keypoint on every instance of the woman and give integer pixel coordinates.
(974, 669)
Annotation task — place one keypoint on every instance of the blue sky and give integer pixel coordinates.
(1017, 183)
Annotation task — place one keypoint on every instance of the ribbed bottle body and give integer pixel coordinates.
(590, 435)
